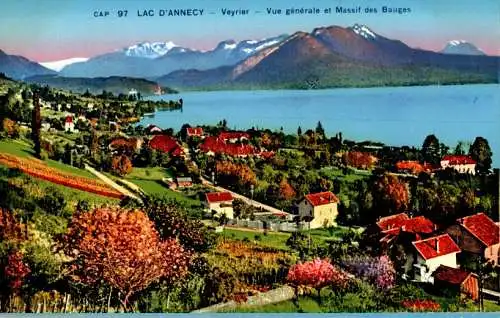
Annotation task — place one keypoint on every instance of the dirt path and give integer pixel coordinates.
(244, 198)
(110, 182)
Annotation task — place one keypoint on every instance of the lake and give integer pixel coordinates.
(392, 115)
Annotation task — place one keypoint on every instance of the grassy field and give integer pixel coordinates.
(278, 239)
(153, 173)
(306, 304)
(150, 181)
(23, 149)
(351, 176)
(310, 305)
(272, 239)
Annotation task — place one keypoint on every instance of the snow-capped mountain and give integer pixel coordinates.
(461, 47)
(149, 50)
(59, 65)
(148, 60)
(364, 31)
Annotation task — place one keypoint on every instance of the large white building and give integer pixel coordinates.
(433, 252)
(461, 163)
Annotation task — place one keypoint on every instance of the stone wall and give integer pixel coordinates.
(271, 297)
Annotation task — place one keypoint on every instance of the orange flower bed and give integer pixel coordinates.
(38, 169)
(420, 305)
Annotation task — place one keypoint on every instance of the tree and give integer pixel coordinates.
(317, 274)
(319, 130)
(299, 131)
(299, 242)
(10, 128)
(36, 125)
(480, 151)
(286, 191)
(431, 150)
(122, 249)
(379, 270)
(121, 165)
(390, 194)
(171, 221)
(460, 148)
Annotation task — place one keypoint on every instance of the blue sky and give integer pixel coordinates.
(56, 29)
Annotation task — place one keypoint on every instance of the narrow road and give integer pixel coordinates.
(244, 198)
(111, 183)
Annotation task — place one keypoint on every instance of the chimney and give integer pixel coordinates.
(437, 245)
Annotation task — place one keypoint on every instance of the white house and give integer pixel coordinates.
(69, 125)
(321, 207)
(461, 163)
(433, 252)
(221, 203)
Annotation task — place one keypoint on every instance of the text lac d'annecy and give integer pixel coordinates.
(170, 13)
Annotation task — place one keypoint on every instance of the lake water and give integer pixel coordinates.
(395, 116)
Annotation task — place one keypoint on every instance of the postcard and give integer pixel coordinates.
(322, 156)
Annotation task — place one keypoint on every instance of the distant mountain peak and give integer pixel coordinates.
(364, 31)
(59, 65)
(456, 42)
(149, 50)
(461, 47)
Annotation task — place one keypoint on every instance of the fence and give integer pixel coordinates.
(270, 226)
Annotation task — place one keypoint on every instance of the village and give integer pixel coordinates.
(430, 212)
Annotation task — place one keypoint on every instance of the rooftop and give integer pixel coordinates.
(436, 246)
(321, 198)
(458, 159)
(219, 197)
(481, 227)
(455, 276)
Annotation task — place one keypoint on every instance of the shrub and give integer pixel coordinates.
(121, 165)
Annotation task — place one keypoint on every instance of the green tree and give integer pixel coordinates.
(320, 130)
(480, 151)
(36, 124)
(431, 151)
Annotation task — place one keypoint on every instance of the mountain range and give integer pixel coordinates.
(18, 67)
(340, 57)
(150, 60)
(331, 56)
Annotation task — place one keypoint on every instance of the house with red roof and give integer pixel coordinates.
(478, 236)
(233, 136)
(320, 208)
(69, 124)
(432, 253)
(129, 144)
(166, 144)
(194, 132)
(219, 203)
(153, 129)
(401, 229)
(414, 167)
(216, 145)
(456, 280)
(461, 163)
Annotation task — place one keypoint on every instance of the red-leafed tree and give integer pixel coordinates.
(16, 270)
(121, 165)
(317, 274)
(286, 190)
(232, 173)
(357, 159)
(391, 193)
(123, 249)
(10, 229)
